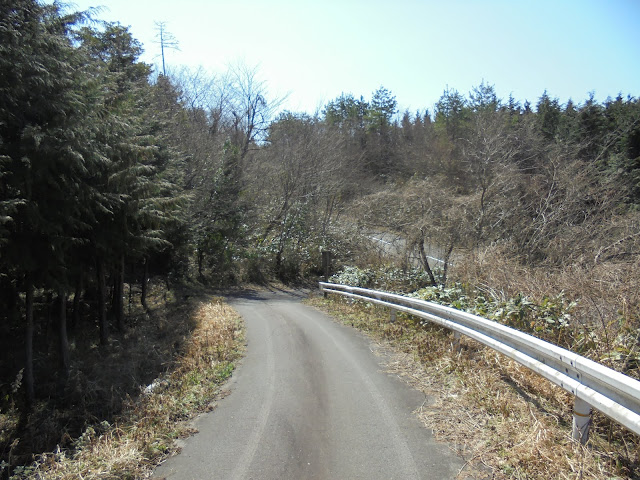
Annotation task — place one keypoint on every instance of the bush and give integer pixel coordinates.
(550, 319)
(385, 277)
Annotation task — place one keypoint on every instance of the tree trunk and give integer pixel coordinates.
(331, 201)
(200, 262)
(326, 264)
(118, 296)
(279, 262)
(76, 302)
(28, 369)
(133, 274)
(446, 264)
(64, 340)
(102, 303)
(425, 262)
(112, 296)
(480, 227)
(144, 283)
(50, 307)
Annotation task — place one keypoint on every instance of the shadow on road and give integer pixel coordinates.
(268, 292)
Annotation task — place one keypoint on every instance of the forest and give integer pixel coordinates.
(114, 177)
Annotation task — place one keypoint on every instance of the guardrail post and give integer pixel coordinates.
(392, 315)
(456, 341)
(581, 420)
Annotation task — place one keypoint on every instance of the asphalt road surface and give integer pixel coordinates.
(309, 401)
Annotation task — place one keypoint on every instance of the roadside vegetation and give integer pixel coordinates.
(503, 420)
(172, 370)
(552, 314)
(115, 179)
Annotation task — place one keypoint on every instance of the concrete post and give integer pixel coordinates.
(456, 341)
(581, 420)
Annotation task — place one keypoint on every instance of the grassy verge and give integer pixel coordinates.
(145, 431)
(505, 422)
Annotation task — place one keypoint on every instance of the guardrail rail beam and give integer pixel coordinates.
(593, 385)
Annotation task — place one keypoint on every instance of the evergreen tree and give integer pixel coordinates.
(381, 110)
(483, 98)
(347, 114)
(141, 198)
(218, 214)
(548, 116)
(452, 114)
(620, 147)
(44, 105)
(381, 138)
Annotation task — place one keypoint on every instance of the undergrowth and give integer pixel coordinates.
(505, 421)
(144, 431)
(612, 339)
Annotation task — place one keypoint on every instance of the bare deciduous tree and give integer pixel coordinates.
(166, 40)
(251, 108)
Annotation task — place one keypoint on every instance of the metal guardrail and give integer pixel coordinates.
(593, 385)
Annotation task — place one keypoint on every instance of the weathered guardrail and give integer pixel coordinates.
(593, 385)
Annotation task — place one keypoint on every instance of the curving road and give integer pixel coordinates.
(309, 401)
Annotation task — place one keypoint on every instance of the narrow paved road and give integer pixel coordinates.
(309, 401)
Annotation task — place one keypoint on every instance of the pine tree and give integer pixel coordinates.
(548, 116)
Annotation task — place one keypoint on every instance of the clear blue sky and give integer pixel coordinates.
(315, 50)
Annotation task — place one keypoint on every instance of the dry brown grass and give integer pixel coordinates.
(146, 430)
(607, 296)
(504, 421)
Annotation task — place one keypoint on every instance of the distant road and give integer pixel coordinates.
(309, 401)
(395, 246)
